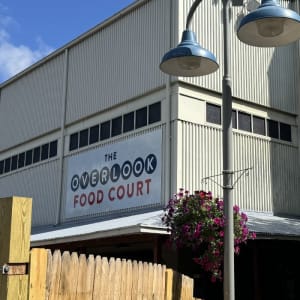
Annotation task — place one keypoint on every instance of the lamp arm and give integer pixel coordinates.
(191, 13)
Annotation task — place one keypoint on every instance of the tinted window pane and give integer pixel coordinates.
(141, 117)
(259, 126)
(244, 121)
(234, 123)
(7, 164)
(28, 158)
(36, 154)
(21, 160)
(73, 141)
(94, 134)
(154, 113)
(83, 138)
(14, 162)
(53, 149)
(213, 113)
(285, 132)
(128, 123)
(116, 126)
(45, 152)
(1, 166)
(273, 129)
(105, 130)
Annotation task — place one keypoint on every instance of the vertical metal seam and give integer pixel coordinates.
(62, 138)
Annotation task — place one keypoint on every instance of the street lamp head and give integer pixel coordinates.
(188, 58)
(270, 25)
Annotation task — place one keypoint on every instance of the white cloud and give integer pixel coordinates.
(15, 58)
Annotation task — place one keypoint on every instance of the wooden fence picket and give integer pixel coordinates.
(37, 282)
(127, 280)
(135, 279)
(117, 280)
(48, 274)
(104, 282)
(140, 281)
(90, 275)
(111, 277)
(150, 279)
(97, 278)
(55, 275)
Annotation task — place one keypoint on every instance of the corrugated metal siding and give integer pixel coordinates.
(31, 105)
(285, 171)
(119, 62)
(272, 183)
(39, 183)
(261, 75)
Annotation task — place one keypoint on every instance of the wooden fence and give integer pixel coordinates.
(37, 274)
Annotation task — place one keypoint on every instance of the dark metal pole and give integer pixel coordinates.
(228, 274)
(228, 287)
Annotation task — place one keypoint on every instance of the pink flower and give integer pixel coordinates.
(236, 209)
(197, 222)
(217, 221)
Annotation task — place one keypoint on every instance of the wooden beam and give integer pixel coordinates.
(15, 228)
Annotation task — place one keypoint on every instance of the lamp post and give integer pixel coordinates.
(268, 26)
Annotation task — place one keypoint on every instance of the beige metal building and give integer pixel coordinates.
(100, 138)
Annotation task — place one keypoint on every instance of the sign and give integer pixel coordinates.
(122, 175)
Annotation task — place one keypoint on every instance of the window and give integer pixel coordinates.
(83, 138)
(7, 164)
(259, 126)
(128, 122)
(14, 162)
(28, 158)
(36, 154)
(213, 113)
(234, 121)
(141, 117)
(273, 131)
(53, 149)
(1, 167)
(154, 112)
(116, 126)
(21, 160)
(285, 132)
(74, 141)
(94, 134)
(45, 152)
(105, 131)
(244, 121)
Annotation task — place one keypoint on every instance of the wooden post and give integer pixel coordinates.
(15, 228)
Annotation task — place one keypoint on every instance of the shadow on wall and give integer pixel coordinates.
(284, 157)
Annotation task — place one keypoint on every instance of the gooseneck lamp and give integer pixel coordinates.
(268, 26)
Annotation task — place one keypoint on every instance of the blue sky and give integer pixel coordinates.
(31, 29)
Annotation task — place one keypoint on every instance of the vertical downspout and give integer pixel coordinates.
(168, 154)
(62, 139)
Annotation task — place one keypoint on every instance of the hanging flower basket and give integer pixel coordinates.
(197, 221)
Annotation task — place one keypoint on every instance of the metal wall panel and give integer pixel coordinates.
(119, 62)
(261, 75)
(39, 183)
(271, 184)
(31, 105)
